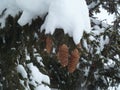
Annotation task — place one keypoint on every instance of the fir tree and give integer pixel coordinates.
(23, 45)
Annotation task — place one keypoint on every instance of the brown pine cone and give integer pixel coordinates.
(63, 54)
(74, 59)
(48, 44)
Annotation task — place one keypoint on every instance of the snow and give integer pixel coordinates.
(85, 45)
(40, 8)
(27, 56)
(114, 88)
(42, 87)
(118, 88)
(117, 57)
(93, 4)
(109, 64)
(53, 51)
(97, 30)
(70, 15)
(36, 78)
(22, 71)
(39, 60)
(98, 22)
(36, 75)
(86, 70)
(103, 42)
(11, 9)
(26, 86)
(107, 18)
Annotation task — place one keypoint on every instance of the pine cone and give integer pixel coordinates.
(48, 44)
(74, 59)
(63, 54)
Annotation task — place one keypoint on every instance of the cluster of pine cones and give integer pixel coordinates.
(66, 59)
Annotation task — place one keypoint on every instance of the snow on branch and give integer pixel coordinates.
(70, 15)
(93, 5)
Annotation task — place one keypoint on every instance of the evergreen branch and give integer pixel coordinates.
(93, 6)
(3, 13)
